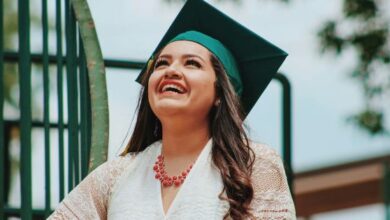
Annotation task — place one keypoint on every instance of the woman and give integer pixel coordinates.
(189, 156)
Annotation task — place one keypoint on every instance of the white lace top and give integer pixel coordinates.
(125, 188)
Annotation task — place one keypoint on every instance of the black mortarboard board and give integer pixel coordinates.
(257, 59)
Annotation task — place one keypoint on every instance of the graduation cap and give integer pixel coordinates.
(249, 60)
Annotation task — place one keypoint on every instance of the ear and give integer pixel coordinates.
(217, 102)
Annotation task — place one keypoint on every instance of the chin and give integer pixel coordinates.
(168, 108)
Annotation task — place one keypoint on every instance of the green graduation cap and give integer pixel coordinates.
(249, 60)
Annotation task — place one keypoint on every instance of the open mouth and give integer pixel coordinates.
(172, 88)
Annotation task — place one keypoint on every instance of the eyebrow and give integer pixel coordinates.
(185, 56)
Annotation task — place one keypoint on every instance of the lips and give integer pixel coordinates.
(172, 86)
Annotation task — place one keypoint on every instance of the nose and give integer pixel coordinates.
(172, 72)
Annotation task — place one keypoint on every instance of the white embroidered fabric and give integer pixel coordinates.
(125, 188)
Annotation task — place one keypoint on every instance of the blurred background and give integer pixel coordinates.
(338, 68)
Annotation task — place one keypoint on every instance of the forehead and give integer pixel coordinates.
(185, 47)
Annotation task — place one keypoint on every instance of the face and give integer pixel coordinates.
(183, 81)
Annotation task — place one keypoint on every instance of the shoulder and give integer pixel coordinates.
(106, 175)
(265, 155)
(263, 150)
(113, 167)
(88, 200)
(267, 163)
(272, 198)
(116, 163)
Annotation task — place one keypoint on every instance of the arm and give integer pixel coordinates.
(89, 199)
(272, 199)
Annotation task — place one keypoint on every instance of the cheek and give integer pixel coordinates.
(152, 83)
(205, 86)
(208, 83)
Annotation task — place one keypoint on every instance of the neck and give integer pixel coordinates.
(184, 139)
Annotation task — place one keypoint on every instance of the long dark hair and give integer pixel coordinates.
(231, 153)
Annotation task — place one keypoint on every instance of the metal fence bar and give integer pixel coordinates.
(286, 132)
(25, 107)
(15, 212)
(71, 54)
(34, 123)
(59, 62)
(6, 162)
(2, 142)
(88, 125)
(53, 59)
(83, 82)
(46, 109)
(386, 189)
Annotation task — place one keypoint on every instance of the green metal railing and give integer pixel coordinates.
(287, 129)
(2, 142)
(71, 68)
(78, 103)
(46, 110)
(25, 107)
(70, 72)
(386, 189)
(59, 61)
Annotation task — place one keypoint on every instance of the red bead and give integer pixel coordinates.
(174, 177)
(157, 176)
(177, 182)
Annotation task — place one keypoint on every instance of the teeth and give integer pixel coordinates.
(172, 87)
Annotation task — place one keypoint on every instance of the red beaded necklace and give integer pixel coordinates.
(163, 177)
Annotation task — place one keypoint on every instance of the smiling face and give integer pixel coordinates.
(183, 81)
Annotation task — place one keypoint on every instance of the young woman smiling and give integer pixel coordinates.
(189, 156)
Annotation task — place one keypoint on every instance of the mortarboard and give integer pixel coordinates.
(257, 59)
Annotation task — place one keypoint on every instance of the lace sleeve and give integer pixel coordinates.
(272, 199)
(89, 199)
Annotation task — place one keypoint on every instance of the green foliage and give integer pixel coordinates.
(329, 38)
(360, 8)
(368, 35)
(10, 36)
(370, 43)
(369, 120)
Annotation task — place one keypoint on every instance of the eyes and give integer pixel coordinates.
(193, 62)
(161, 62)
(189, 62)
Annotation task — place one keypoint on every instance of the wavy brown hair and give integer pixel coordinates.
(231, 153)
